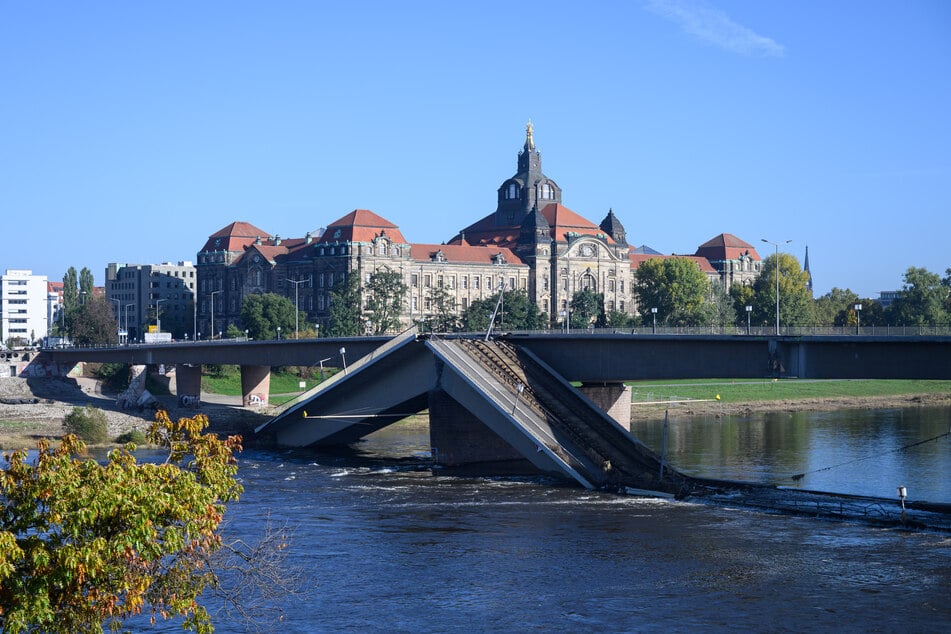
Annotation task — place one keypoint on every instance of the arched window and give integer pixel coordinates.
(588, 283)
(546, 191)
(511, 192)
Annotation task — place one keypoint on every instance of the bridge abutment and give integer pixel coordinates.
(458, 439)
(613, 398)
(255, 385)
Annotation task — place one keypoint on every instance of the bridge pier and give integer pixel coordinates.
(255, 385)
(188, 383)
(613, 398)
(459, 440)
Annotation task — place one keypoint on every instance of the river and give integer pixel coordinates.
(385, 544)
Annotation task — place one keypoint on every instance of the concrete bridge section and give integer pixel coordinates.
(600, 361)
(624, 357)
(491, 407)
(255, 358)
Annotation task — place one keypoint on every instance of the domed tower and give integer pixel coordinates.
(528, 188)
(613, 227)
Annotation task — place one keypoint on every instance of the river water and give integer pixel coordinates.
(385, 544)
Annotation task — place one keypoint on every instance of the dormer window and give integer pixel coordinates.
(511, 191)
(381, 247)
(498, 259)
(439, 256)
(546, 192)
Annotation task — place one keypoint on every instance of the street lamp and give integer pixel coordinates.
(654, 313)
(296, 284)
(343, 355)
(213, 293)
(278, 333)
(749, 311)
(158, 320)
(776, 244)
(118, 314)
(858, 317)
(125, 311)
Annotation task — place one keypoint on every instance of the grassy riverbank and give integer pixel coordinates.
(728, 397)
(756, 390)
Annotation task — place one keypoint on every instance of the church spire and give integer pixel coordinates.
(805, 268)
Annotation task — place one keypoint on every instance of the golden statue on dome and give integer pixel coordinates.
(529, 141)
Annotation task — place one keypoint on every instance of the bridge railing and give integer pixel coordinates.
(764, 331)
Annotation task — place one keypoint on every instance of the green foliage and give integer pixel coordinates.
(85, 545)
(442, 317)
(922, 300)
(676, 287)
(831, 308)
(261, 314)
(384, 301)
(93, 323)
(618, 319)
(114, 376)
(751, 390)
(134, 436)
(718, 308)
(345, 315)
(516, 313)
(796, 306)
(88, 423)
(587, 309)
(233, 332)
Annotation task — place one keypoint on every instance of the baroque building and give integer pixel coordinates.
(532, 242)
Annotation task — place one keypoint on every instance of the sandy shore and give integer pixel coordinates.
(21, 425)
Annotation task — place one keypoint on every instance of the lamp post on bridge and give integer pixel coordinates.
(858, 318)
(776, 244)
(654, 313)
(158, 320)
(749, 311)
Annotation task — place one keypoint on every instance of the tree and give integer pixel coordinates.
(587, 309)
(831, 308)
(345, 314)
(921, 301)
(84, 544)
(93, 323)
(742, 296)
(86, 284)
(263, 314)
(676, 287)
(385, 292)
(718, 308)
(796, 306)
(442, 317)
(519, 313)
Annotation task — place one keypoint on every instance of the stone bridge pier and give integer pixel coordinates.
(255, 384)
(613, 398)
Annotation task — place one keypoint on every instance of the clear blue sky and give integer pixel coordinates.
(130, 131)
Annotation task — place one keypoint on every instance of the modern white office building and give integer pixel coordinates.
(24, 307)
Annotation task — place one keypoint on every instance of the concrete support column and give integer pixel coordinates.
(613, 398)
(188, 383)
(255, 385)
(460, 440)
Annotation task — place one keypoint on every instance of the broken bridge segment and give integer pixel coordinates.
(385, 386)
(491, 405)
(545, 418)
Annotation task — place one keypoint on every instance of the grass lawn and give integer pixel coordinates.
(228, 383)
(750, 390)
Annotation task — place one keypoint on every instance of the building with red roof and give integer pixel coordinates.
(532, 242)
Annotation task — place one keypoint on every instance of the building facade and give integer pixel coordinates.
(159, 295)
(532, 242)
(24, 307)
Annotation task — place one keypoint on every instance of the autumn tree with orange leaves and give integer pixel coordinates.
(85, 545)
